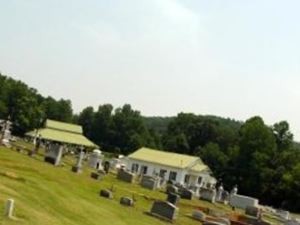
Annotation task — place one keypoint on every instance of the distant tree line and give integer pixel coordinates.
(263, 160)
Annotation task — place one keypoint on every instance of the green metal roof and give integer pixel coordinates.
(199, 167)
(166, 158)
(63, 126)
(62, 132)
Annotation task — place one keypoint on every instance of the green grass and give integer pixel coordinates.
(47, 195)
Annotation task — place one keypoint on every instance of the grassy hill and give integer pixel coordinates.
(47, 195)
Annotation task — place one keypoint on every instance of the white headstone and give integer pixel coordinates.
(9, 208)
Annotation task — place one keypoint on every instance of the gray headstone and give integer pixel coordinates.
(78, 166)
(9, 208)
(126, 201)
(126, 176)
(96, 176)
(150, 183)
(252, 211)
(171, 189)
(106, 193)
(165, 210)
(208, 194)
(199, 215)
(216, 213)
(173, 198)
(53, 154)
(186, 194)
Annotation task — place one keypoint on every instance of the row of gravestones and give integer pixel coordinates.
(148, 182)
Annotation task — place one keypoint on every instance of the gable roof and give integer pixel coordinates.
(62, 132)
(57, 125)
(164, 158)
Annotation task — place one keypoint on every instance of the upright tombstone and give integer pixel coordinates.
(234, 190)
(5, 133)
(54, 153)
(186, 194)
(106, 193)
(173, 198)
(219, 193)
(208, 194)
(9, 208)
(125, 176)
(225, 197)
(106, 166)
(241, 201)
(164, 210)
(252, 211)
(78, 166)
(95, 160)
(150, 183)
(126, 201)
(171, 189)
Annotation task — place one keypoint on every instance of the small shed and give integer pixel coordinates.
(65, 133)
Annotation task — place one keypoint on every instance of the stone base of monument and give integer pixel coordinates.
(50, 160)
(76, 169)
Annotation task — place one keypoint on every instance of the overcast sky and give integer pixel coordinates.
(231, 58)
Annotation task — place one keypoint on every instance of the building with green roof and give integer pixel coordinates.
(184, 169)
(65, 133)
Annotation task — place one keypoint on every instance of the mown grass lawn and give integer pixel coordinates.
(48, 195)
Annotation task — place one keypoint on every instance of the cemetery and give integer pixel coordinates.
(42, 187)
(57, 178)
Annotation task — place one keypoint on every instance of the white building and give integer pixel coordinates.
(184, 169)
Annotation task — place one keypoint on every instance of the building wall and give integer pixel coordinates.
(155, 169)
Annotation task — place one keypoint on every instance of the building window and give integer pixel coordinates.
(144, 170)
(162, 174)
(199, 180)
(135, 168)
(172, 176)
(187, 179)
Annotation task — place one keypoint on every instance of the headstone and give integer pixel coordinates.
(126, 201)
(150, 183)
(252, 211)
(216, 213)
(171, 189)
(199, 215)
(234, 190)
(126, 176)
(225, 197)
(96, 176)
(164, 210)
(9, 208)
(106, 193)
(241, 201)
(106, 166)
(78, 166)
(219, 193)
(292, 222)
(186, 194)
(173, 198)
(208, 194)
(53, 154)
(221, 220)
(95, 160)
(283, 214)
(212, 223)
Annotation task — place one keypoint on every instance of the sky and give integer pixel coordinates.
(231, 58)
